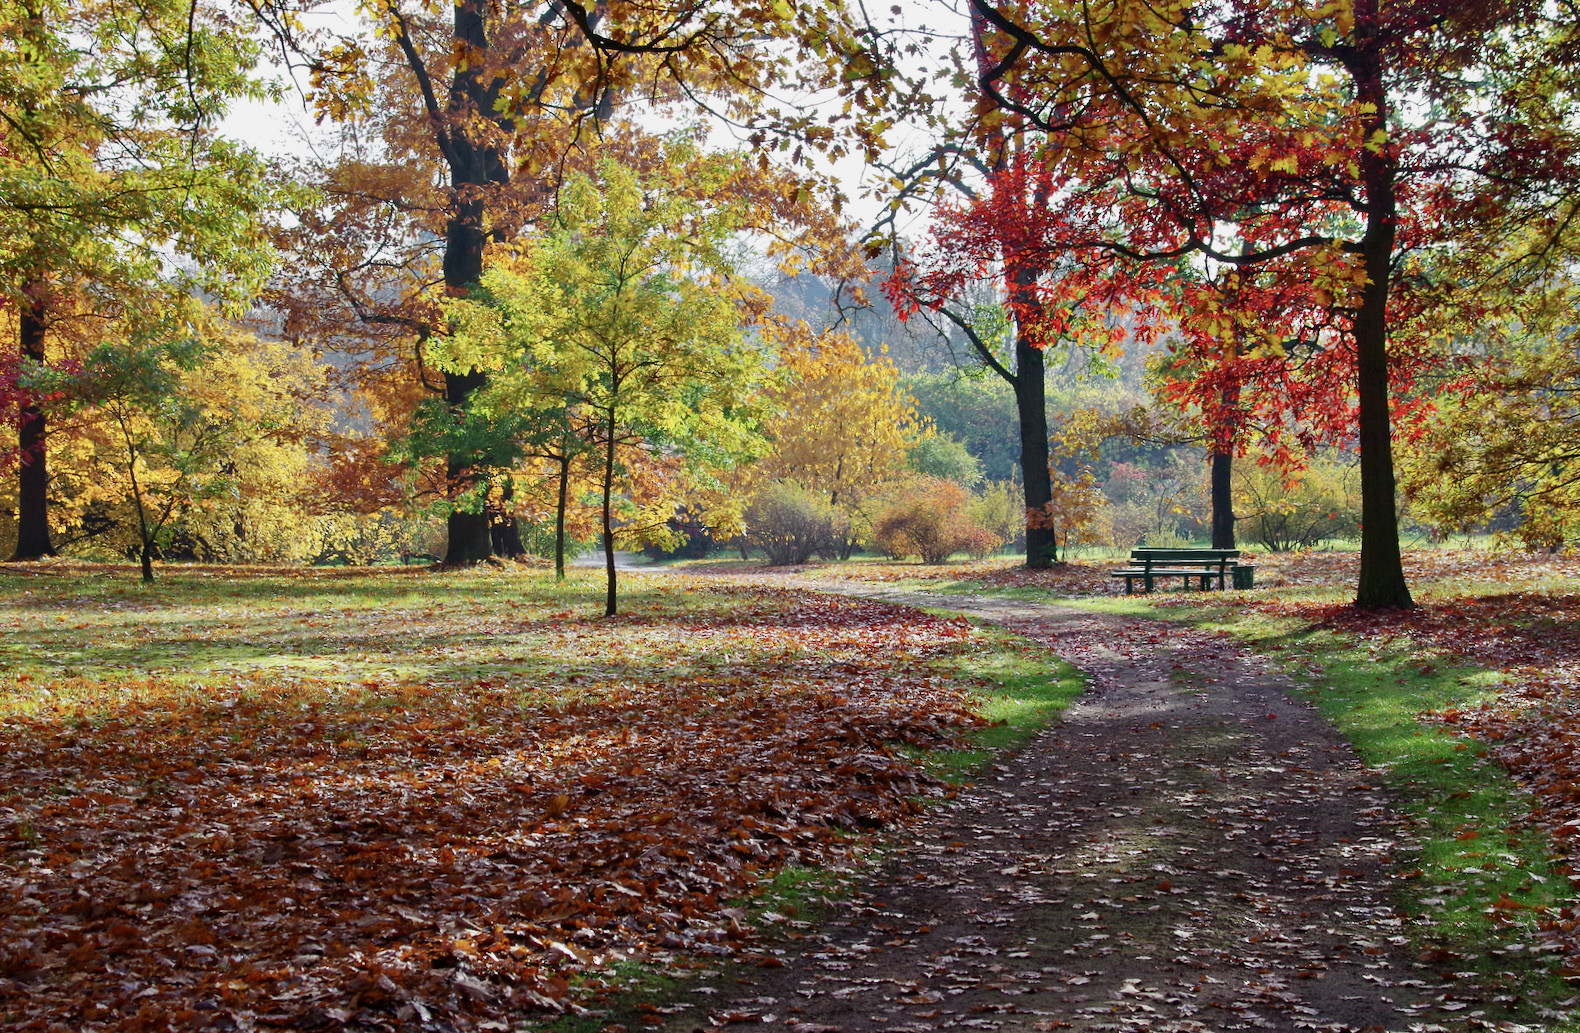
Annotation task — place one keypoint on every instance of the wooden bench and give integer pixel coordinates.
(1192, 566)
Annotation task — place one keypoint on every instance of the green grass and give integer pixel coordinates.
(200, 628)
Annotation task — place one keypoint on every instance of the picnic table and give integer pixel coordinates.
(1194, 567)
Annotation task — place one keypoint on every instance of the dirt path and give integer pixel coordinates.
(1189, 850)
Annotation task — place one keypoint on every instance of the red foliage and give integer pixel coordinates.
(1039, 235)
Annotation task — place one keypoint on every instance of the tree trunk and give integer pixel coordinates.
(470, 542)
(1222, 501)
(146, 535)
(1042, 542)
(472, 168)
(32, 527)
(1382, 583)
(559, 518)
(609, 606)
(505, 529)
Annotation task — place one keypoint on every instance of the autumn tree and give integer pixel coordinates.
(182, 423)
(1501, 442)
(1047, 297)
(1288, 510)
(116, 192)
(1332, 145)
(503, 99)
(528, 416)
(630, 301)
(839, 426)
(1250, 368)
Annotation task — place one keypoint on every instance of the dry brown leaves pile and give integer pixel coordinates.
(312, 855)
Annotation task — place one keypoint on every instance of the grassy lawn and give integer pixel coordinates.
(315, 798)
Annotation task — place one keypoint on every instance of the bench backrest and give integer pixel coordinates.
(1184, 555)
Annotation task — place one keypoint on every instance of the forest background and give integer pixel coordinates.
(1129, 294)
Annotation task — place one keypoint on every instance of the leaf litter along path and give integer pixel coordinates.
(1189, 849)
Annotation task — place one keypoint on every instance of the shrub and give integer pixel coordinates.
(791, 524)
(932, 521)
(1001, 509)
(1321, 505)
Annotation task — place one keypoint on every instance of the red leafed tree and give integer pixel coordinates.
(1339, 155)
(1030, 239)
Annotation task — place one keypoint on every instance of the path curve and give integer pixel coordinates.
(1190, 849)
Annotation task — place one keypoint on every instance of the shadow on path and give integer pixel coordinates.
(1190, 849)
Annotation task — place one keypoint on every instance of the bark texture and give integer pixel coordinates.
(1381, 583)
(1222, 501)
(32, 528)
(474, 167)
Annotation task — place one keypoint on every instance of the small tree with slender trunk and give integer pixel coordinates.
(167, 448)
(627, 308)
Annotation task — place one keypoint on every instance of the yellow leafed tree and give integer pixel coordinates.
(840, 429)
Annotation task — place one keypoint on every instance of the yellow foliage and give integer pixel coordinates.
(840, 424)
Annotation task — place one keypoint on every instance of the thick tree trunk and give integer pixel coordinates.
(505, 534)
(559, 518)
(472, 168)
(1042, 543)
(505, 529)
(1382, 582)
(32, 527)
(1222, 501)
(148, 563)
(470, 542)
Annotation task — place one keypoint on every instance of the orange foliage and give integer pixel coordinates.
(316, 855)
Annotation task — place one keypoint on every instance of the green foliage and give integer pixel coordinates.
(978, 411)
(945, 457)
(1283, 512)
(168, 446)
(620, 322)
(106, 169)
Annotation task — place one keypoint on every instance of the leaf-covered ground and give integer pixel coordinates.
(1193, 849)
(313, 800)
(251, 801)
(1515, 616)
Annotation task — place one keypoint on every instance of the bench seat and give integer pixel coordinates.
(1205, 573)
